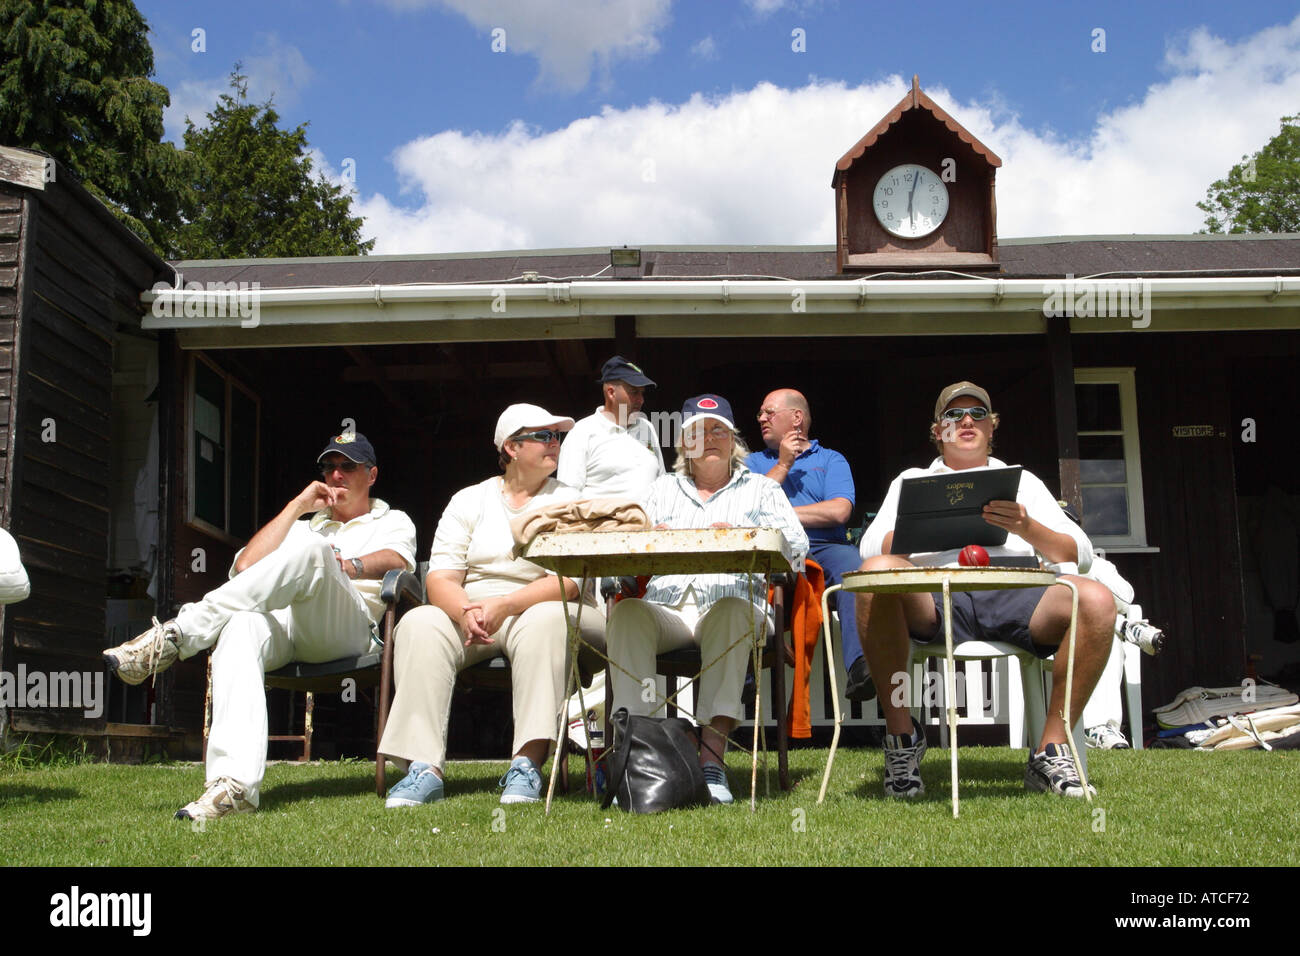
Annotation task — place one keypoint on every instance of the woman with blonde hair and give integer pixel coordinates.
(710, 488)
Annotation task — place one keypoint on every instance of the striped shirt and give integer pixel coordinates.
(746, 501)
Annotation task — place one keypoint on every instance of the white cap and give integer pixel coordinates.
(527, 416)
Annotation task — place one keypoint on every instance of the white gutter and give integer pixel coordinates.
(224, 306)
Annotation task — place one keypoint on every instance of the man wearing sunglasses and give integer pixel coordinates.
(1034, 618)
(614, 452)
(298, 591)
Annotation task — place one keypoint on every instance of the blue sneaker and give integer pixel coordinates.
(418, 787)
(522, 782)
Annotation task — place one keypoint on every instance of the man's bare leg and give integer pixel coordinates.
(885, 624)
(1050, 625)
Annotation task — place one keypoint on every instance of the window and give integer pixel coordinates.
(1110, 463)
(223, 459)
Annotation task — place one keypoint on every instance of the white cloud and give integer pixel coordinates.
(277, 70)
(1146, 166)
(568, 39)
(765, 7)
(192, 98)
(755, 166)
(705, 49)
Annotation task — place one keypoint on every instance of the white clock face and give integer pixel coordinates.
(910, 201)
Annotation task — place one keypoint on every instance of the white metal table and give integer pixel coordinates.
(912, 580)
(593, 554)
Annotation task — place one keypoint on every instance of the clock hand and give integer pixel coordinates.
(916, 179)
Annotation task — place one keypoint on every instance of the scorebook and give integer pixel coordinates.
(944, 512)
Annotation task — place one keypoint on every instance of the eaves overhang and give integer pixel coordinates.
(241, 315)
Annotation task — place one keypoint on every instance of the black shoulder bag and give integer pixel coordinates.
(654, 764)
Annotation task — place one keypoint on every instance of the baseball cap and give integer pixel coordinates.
(353, 446)
(707, 406)
(957, 390)
(527, 416)
(619, 369)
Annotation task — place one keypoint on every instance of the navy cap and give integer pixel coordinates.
(353, 446)
(708, 406)
(619, 369)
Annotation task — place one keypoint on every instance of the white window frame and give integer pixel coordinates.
(1124, 377)
(221, 534)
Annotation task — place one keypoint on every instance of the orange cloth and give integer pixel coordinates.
(805, 619)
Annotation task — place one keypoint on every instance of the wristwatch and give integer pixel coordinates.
(358, 566)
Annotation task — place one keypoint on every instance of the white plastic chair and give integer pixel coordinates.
(1026, 705)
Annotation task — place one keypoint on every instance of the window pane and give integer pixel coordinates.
(209, 446)
(243, 463)
(1105, 510)
(1101, 458)
(1098, 407)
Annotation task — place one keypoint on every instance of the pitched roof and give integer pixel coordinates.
(916, 99)
(1208, 255)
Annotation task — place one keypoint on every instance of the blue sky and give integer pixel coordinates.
(651, 121)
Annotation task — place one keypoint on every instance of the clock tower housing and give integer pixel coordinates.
(916, 133)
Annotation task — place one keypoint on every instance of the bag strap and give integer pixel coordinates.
(618, 764)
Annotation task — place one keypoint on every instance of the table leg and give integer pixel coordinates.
(948, 690)
(757, 654)
(574, 637)
(835, 692)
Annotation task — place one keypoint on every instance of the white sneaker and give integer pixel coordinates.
(222, 796)
(148, 654)
(1106, 736)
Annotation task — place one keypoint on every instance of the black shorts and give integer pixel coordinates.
(991, 616)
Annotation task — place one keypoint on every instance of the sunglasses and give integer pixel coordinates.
(347, 467)
(545, 436)
(977, 413)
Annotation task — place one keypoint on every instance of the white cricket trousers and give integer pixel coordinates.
(429, 651)
(639, 631)
(295, 604)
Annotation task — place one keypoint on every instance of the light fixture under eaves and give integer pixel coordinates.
(625, 257)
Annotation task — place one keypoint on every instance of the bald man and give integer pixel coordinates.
(819, 484)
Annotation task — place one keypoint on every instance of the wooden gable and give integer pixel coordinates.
(917, 131)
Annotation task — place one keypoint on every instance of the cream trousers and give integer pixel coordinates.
(430, 651)
(293, 605)
(639, 631)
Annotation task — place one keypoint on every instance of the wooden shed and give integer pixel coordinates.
(71, 277)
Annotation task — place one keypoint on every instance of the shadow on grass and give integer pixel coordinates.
(12, 794)
(468, 779)
(290, 793)
(975, 779)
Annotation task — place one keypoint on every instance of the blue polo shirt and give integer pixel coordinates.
(817, 475)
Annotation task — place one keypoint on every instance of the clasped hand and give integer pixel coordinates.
(481, 619)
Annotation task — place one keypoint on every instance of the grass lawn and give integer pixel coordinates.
(1155, 808)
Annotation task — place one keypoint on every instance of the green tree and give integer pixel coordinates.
(75, 83)
(1262, 192)
(253, 193)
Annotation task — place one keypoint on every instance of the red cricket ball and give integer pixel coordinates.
(973, 556)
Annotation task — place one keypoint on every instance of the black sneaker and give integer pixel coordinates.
(903, 753)
(860, 687)
(1052, 771)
